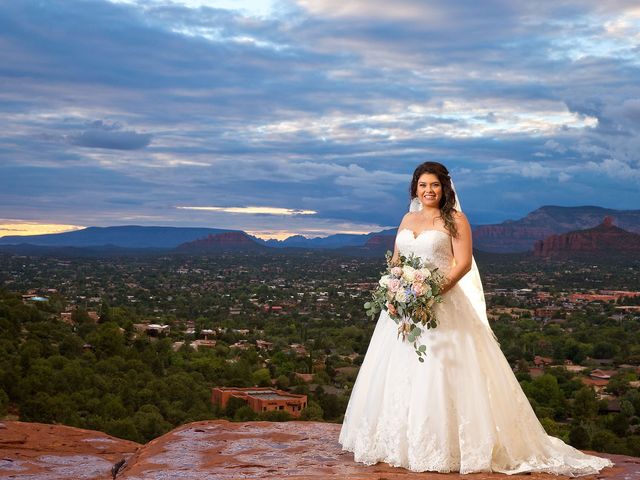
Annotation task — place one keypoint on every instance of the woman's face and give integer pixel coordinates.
(429, 190)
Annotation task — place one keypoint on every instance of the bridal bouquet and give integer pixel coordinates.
(408, 291)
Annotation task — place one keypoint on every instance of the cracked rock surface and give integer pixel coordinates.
(50, 452)
(220, 450)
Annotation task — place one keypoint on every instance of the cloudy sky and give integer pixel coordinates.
(309, 116)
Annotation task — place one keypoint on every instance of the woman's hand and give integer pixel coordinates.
(446, 286)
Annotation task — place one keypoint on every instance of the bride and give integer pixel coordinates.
(462, 410)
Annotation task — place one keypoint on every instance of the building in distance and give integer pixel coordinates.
(261, 399)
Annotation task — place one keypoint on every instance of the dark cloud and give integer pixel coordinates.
(325, 106)
(104, 135)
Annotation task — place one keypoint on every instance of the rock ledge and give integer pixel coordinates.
(216, 449)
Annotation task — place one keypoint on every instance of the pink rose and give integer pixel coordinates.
(418, 288)
(396, 271)
(394, 285)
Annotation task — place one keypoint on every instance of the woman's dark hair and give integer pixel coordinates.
(448, 199)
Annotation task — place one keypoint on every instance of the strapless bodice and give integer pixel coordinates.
(432, 245)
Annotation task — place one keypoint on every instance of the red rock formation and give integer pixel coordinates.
(519, 235)
(217, 449)
(221, 241)
(606, 239)
(37, 450)
(381, 242)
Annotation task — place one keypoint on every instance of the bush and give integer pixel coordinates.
(4, 403)
(233, 404)
(550, 426)
(313, 411)
(261, 377)
(244, 414)
(276, 416)
(579, 437)
(150, 423)
(605, 441)
(282, 382)
(585, 404)
(620, 424)
(123, 428)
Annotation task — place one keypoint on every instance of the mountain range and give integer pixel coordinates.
(510, 236)
(520, 235)
(606, 238)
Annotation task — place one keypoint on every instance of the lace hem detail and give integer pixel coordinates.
(439, 461)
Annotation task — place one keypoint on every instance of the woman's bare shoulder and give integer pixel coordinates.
(459, 216)
(406, 219)
(462, 223)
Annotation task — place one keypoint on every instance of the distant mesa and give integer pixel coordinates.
(338, 240)
(520, 235)
(292, 241)
(125, 236)
(510, 236)
(227, 241)
(380, 242)
(605, 239)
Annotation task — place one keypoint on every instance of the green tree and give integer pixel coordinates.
(547, 393)
(321, 378)
(150, 423)
(283, 382)
(585, 404)
(244, 414)
(523, 366)
(261, 377)
(579, 437)
(604, 440)
(604, 350)
(123, 428)
(233, 404)
(107, 340)
(550, 426)
(313, 411)
(620, 424)
(619, 383)
(4, 402)
(275, 416)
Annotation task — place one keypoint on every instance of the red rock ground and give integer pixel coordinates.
(48, 452)
(217, 450)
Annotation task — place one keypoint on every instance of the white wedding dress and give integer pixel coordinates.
(462, 410)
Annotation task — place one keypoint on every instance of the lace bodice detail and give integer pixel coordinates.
(432, 245)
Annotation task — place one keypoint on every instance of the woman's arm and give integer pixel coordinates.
(395, 258)
(462, 252)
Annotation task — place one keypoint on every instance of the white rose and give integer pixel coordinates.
(384, 281)
(408, 273)
(425, 272)
(401, 296)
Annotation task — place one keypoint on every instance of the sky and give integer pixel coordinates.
(282, 117)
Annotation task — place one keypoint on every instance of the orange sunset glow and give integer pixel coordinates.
(22, 228)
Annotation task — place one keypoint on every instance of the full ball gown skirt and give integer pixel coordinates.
(462, 410)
